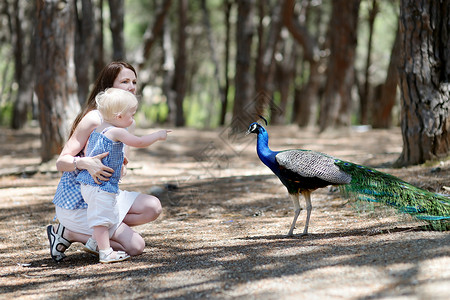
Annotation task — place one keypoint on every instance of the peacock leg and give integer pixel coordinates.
(307, 195)
(295, 199)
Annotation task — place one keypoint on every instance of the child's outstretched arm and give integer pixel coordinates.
(122, 135)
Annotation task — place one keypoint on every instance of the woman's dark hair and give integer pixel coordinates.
(104, 80)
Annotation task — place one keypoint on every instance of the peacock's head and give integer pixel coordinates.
(254, 128)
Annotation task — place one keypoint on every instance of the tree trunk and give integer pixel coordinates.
(336, 104)
(265, 66)
(21, 35)
(306, 99)
(84, 43)
(224, 107)
(424, 80)
(214, 57)
(152, 32)
(365, 103)
(244, 106)
(55, 84)
(116, 10)
(284, 77)
(168, 71)
(98, 59)
(180, 64)
(384, 99)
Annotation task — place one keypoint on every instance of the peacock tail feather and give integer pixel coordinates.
(375, 186)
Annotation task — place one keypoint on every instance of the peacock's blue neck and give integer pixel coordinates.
(266, 155)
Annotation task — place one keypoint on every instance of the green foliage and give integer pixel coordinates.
(150, 114)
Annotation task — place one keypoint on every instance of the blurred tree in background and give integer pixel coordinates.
(315, 63)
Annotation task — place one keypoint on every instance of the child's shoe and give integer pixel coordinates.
(106, 256)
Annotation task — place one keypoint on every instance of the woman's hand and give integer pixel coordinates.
(96, 168)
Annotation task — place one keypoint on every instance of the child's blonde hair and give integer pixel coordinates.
(113, 102)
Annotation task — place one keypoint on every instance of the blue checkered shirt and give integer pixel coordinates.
(68, 193)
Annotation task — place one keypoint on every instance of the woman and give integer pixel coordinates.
(71, 210)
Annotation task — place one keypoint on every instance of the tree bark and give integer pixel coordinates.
(55, 85)
(424, 80)
(336, 103)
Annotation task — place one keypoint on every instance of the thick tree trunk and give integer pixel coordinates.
(336, 104)
(424, 80)
(55, 84)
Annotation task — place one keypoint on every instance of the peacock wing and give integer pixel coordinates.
(312, 164)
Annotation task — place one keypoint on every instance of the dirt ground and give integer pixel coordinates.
(222, 233)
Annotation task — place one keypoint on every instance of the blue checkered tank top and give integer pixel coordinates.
(98, 143)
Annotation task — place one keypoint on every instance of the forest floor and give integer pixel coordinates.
(222, 233)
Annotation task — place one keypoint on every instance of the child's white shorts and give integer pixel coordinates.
(102, 206)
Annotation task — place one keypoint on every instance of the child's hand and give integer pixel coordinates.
(163, 134)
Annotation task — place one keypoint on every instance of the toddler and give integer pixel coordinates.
(117, 108)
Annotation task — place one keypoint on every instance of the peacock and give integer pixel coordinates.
(304, 171)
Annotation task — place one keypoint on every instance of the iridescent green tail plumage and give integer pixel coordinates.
(375, 186)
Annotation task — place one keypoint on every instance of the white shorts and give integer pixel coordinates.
(76, 219)
(102, 206)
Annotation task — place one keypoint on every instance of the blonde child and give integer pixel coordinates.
(117, 108)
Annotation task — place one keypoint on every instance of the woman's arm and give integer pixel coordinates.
(67, 160)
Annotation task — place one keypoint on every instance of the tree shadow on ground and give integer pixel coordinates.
(248, 259)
